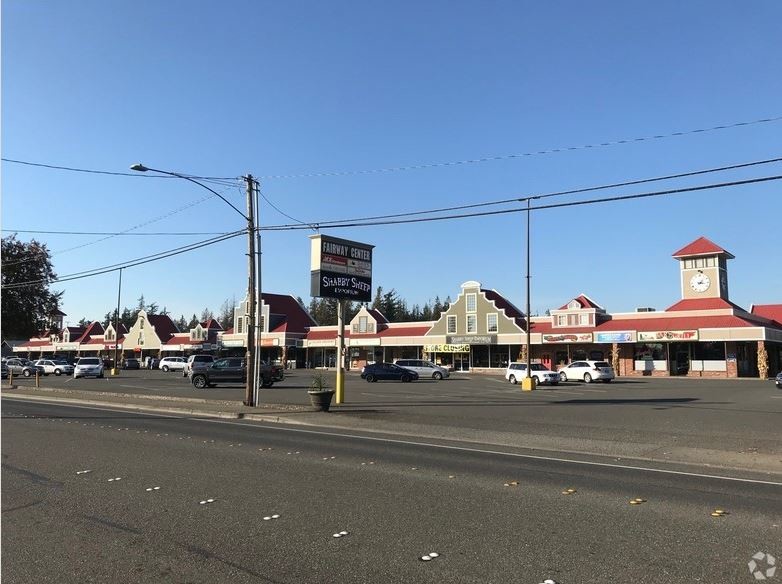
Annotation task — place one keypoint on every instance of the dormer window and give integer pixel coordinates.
(573, 305)
(362, 324)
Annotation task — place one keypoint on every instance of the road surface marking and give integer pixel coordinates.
(427, 444)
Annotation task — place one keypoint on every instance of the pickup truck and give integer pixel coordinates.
(228, 370)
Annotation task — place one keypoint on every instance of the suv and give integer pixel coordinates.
(172, 364)
(55, 366)
(196, 362)
(88, 367)
(24, 367)
(425, 369)
(227, 370)
(517, 371)
(587, 371)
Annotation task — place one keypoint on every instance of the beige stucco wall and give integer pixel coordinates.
(483, 306)
(151, 340)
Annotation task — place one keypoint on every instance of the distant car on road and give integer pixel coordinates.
(518, 371)
(778, 380)
(425, 369)
(88, 367)
(387, 371)
(56, 367)
(23, 367)
(587, 371)
(172, 364)
(131, 364)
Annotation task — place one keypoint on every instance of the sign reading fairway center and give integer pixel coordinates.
(340, 268)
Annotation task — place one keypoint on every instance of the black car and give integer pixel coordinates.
(230, 369)
(778, 380)
(132, 364)
(383, 371)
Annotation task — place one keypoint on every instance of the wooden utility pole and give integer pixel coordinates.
(249, 393)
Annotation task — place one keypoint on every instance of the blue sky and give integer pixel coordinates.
(296, 88)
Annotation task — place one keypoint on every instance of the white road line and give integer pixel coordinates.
(429, 444)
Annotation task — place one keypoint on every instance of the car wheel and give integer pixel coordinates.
(587, 378)
(562, 376)
(513, 379)
(27, 373)
(405, 378)
(438, 376)
(57, 372)
(370, 378)
(164, 368)
(199, 381)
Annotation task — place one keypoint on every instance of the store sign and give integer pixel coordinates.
(448, 348)
(668, 336)
(365, 342)
(471, 339)
(322, 343)
(340, 268)
(270, 342)
(67, 347)
(568, 338)
(626, 337)
(233, 343)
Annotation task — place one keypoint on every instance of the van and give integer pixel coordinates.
(197, 362)
(425, 369)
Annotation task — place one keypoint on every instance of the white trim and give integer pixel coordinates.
(496, 323)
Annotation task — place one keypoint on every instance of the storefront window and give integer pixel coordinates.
(499, 355)
(650, 352)
(596, 355)
(561, 358)
(709, 351)
(480, 356)
(579, 355)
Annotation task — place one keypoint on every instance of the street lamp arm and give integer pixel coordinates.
(142, 168)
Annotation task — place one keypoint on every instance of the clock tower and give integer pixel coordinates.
(704, 270)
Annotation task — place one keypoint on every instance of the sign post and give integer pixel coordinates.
(340, 269)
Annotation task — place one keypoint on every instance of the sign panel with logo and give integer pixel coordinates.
(233, 343)
(623, 337)
(340, 268)
(447, 348)
(568, 338)
(471, 339)
(668, 336)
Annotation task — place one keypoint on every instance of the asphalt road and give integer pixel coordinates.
(397, 499)
(731, 423)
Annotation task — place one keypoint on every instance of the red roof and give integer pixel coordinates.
(584, 301)
(164, 326)
(297, 319)
(35, 344)
(505, 305)
(649, 324)
(772, 312)
(701, 246)
(402, 331)
(95, 328)
(211, 324)
(702, 304)
(229, 331)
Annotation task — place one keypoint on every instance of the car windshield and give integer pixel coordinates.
(89, 361)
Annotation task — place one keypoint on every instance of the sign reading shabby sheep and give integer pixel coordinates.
(568, 338)
(340, 268)
(668, 336)
(447, 348)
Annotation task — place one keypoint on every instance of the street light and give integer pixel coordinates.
(249, 394)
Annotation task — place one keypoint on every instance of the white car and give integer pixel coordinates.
(172, 364)
(56, 367)
(88, 367)
(587, 371)
(517, 371)
(425, 369)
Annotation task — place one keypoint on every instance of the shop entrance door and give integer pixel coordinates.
(679, 355)
(461, 361)
(545, 360)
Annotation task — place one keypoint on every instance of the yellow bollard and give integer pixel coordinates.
(529, 383)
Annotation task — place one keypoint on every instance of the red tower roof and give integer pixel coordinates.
(701, 246)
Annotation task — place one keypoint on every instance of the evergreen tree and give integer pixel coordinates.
(152, 308)
(226, 316)
(437, 308)
(128, 318)
(181, 324)
(206, 314)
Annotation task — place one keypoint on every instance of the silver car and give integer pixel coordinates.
(88, 367)
(425, 369)
(24, 367)
(55, 366)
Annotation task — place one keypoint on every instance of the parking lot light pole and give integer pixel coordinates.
(115, 369)
(528, 382)
(249, 394)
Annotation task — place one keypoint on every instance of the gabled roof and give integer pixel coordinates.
(505, 305)
(297, 319)
(74, 331)
(95, 328)
(772, 312)
(57, 312)
(211, 324)
(702, 304)
(701, 246)
(379, 317)
(164, 326)
(585, 302)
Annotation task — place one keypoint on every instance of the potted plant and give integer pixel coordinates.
(320, 394)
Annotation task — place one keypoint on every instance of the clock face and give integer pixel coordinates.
(700, 282)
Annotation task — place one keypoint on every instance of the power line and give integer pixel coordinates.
(129, 263)
(120, 233)
(539, 207)
(326, 224)
(521, 155)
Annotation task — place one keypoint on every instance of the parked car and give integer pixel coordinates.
(172, 364)
(587, 371)
(56, 367)
(778, 380)
(131, 364)
(425, 369)
(88, 367)
(3, 371)
(195, 362)
(387, 371)
(277, 371)
(518, 371)
(229, 369)
(17, 366)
